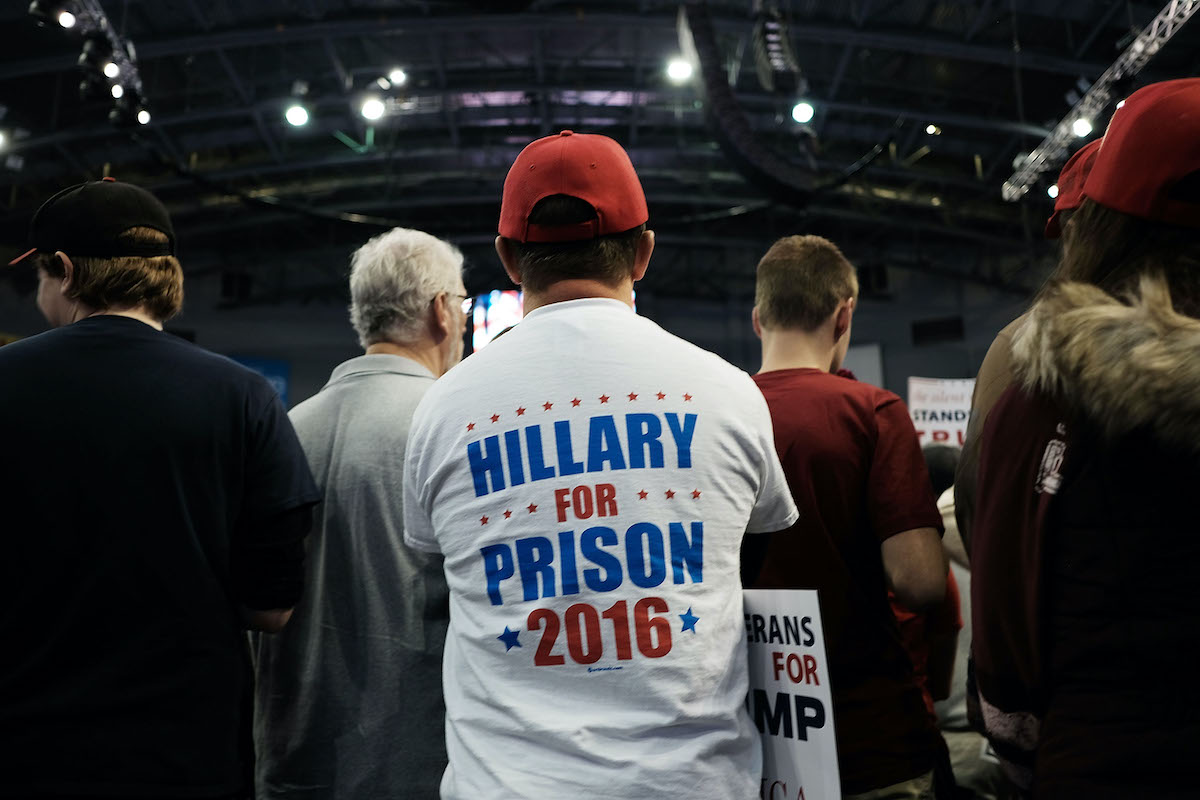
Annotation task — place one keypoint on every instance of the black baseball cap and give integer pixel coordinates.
(88, 220)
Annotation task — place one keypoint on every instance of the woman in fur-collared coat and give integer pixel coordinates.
(1087, 531)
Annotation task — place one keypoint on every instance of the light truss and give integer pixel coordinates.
(1053, 149)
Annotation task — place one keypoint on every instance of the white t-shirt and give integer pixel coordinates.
(589, 478)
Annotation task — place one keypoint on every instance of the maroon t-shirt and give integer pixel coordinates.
(855, 469)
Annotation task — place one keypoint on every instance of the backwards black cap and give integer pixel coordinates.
(88, 220)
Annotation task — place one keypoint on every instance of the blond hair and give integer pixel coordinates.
(153, 283)
(800, 282)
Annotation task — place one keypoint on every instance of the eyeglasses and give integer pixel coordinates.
(466, 301)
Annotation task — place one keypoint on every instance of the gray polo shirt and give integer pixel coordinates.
(349, 696)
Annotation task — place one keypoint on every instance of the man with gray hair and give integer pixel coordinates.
(349, 698)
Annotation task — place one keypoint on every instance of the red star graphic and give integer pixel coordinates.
(642, 494)
(521, 411)
(547, 405)
(687, 398)
(670, 494)
(470, 426)
(507, 513)
(483, 520)
(495, 417)
(575, 402)
(532, 508)
(603, 398)
(695, 494)
(632, 396)
(661, 396)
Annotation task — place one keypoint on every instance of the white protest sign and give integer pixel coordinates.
(789, 697)
(940, 408)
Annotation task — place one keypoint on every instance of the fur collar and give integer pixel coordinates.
(1126, 364)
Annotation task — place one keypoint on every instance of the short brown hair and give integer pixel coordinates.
(800, 282)
(608, 259)
(153, 283)
(1112, 250)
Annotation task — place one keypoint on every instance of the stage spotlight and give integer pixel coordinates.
(372, 108)
(118, 91)
(803, 112)
(397, 76)
(296, 115)
(66, 19)
(3, 140)
(143, 117)
(1052, 191)
(933, 130)
(1120, 104)
(1082, 127)
(679, 70)
(111, 70)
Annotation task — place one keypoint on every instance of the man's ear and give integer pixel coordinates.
(754, 323)
(68, 272)
(441, 309)
(841, 322)
(509, 259)
(641, 258)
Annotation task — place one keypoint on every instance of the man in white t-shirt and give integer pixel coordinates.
(588, 478)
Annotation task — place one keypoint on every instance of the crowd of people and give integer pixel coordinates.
(519, 574)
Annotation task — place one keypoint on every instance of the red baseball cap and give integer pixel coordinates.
(1152, 143)
(1070, 185)
(588, 166)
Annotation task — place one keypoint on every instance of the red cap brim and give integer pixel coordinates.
(23, 256)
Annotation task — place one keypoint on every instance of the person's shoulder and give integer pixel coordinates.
(30, 347)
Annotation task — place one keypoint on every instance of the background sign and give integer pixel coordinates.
(277, 372)
(940, 408)
(789, 697)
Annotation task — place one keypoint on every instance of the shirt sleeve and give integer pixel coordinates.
(774, 509)
(899, 494)
(276, 470)
(418, 519)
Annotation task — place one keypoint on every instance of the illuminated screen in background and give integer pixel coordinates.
(492, 313)
(497, 310)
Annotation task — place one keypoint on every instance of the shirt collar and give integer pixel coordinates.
(380, 362)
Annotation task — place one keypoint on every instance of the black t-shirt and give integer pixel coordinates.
(132, 464)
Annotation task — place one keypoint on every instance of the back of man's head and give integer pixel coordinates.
(800, 283)
(121, 244)
(573, 208)
(393, 279)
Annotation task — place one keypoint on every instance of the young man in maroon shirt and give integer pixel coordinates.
(868, 520)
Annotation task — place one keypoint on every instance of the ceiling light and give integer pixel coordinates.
(933, 130)
(372, 108)
(803, 112)
(383, 83)
(397, 76)
(935, 201)
(1082, 127)
(1052, 190)
(111, 70)
(66, 19)
(1121, 104)
(679, 71)
(143, 117)
(296, 115)
(118, 91)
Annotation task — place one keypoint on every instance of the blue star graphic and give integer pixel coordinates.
(509, 638)
(689, 621)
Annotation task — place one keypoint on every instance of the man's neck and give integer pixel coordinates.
(133, 313)
(578, 289)
(794, 349)
(427, 357)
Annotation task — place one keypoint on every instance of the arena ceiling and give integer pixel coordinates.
(282, 206)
